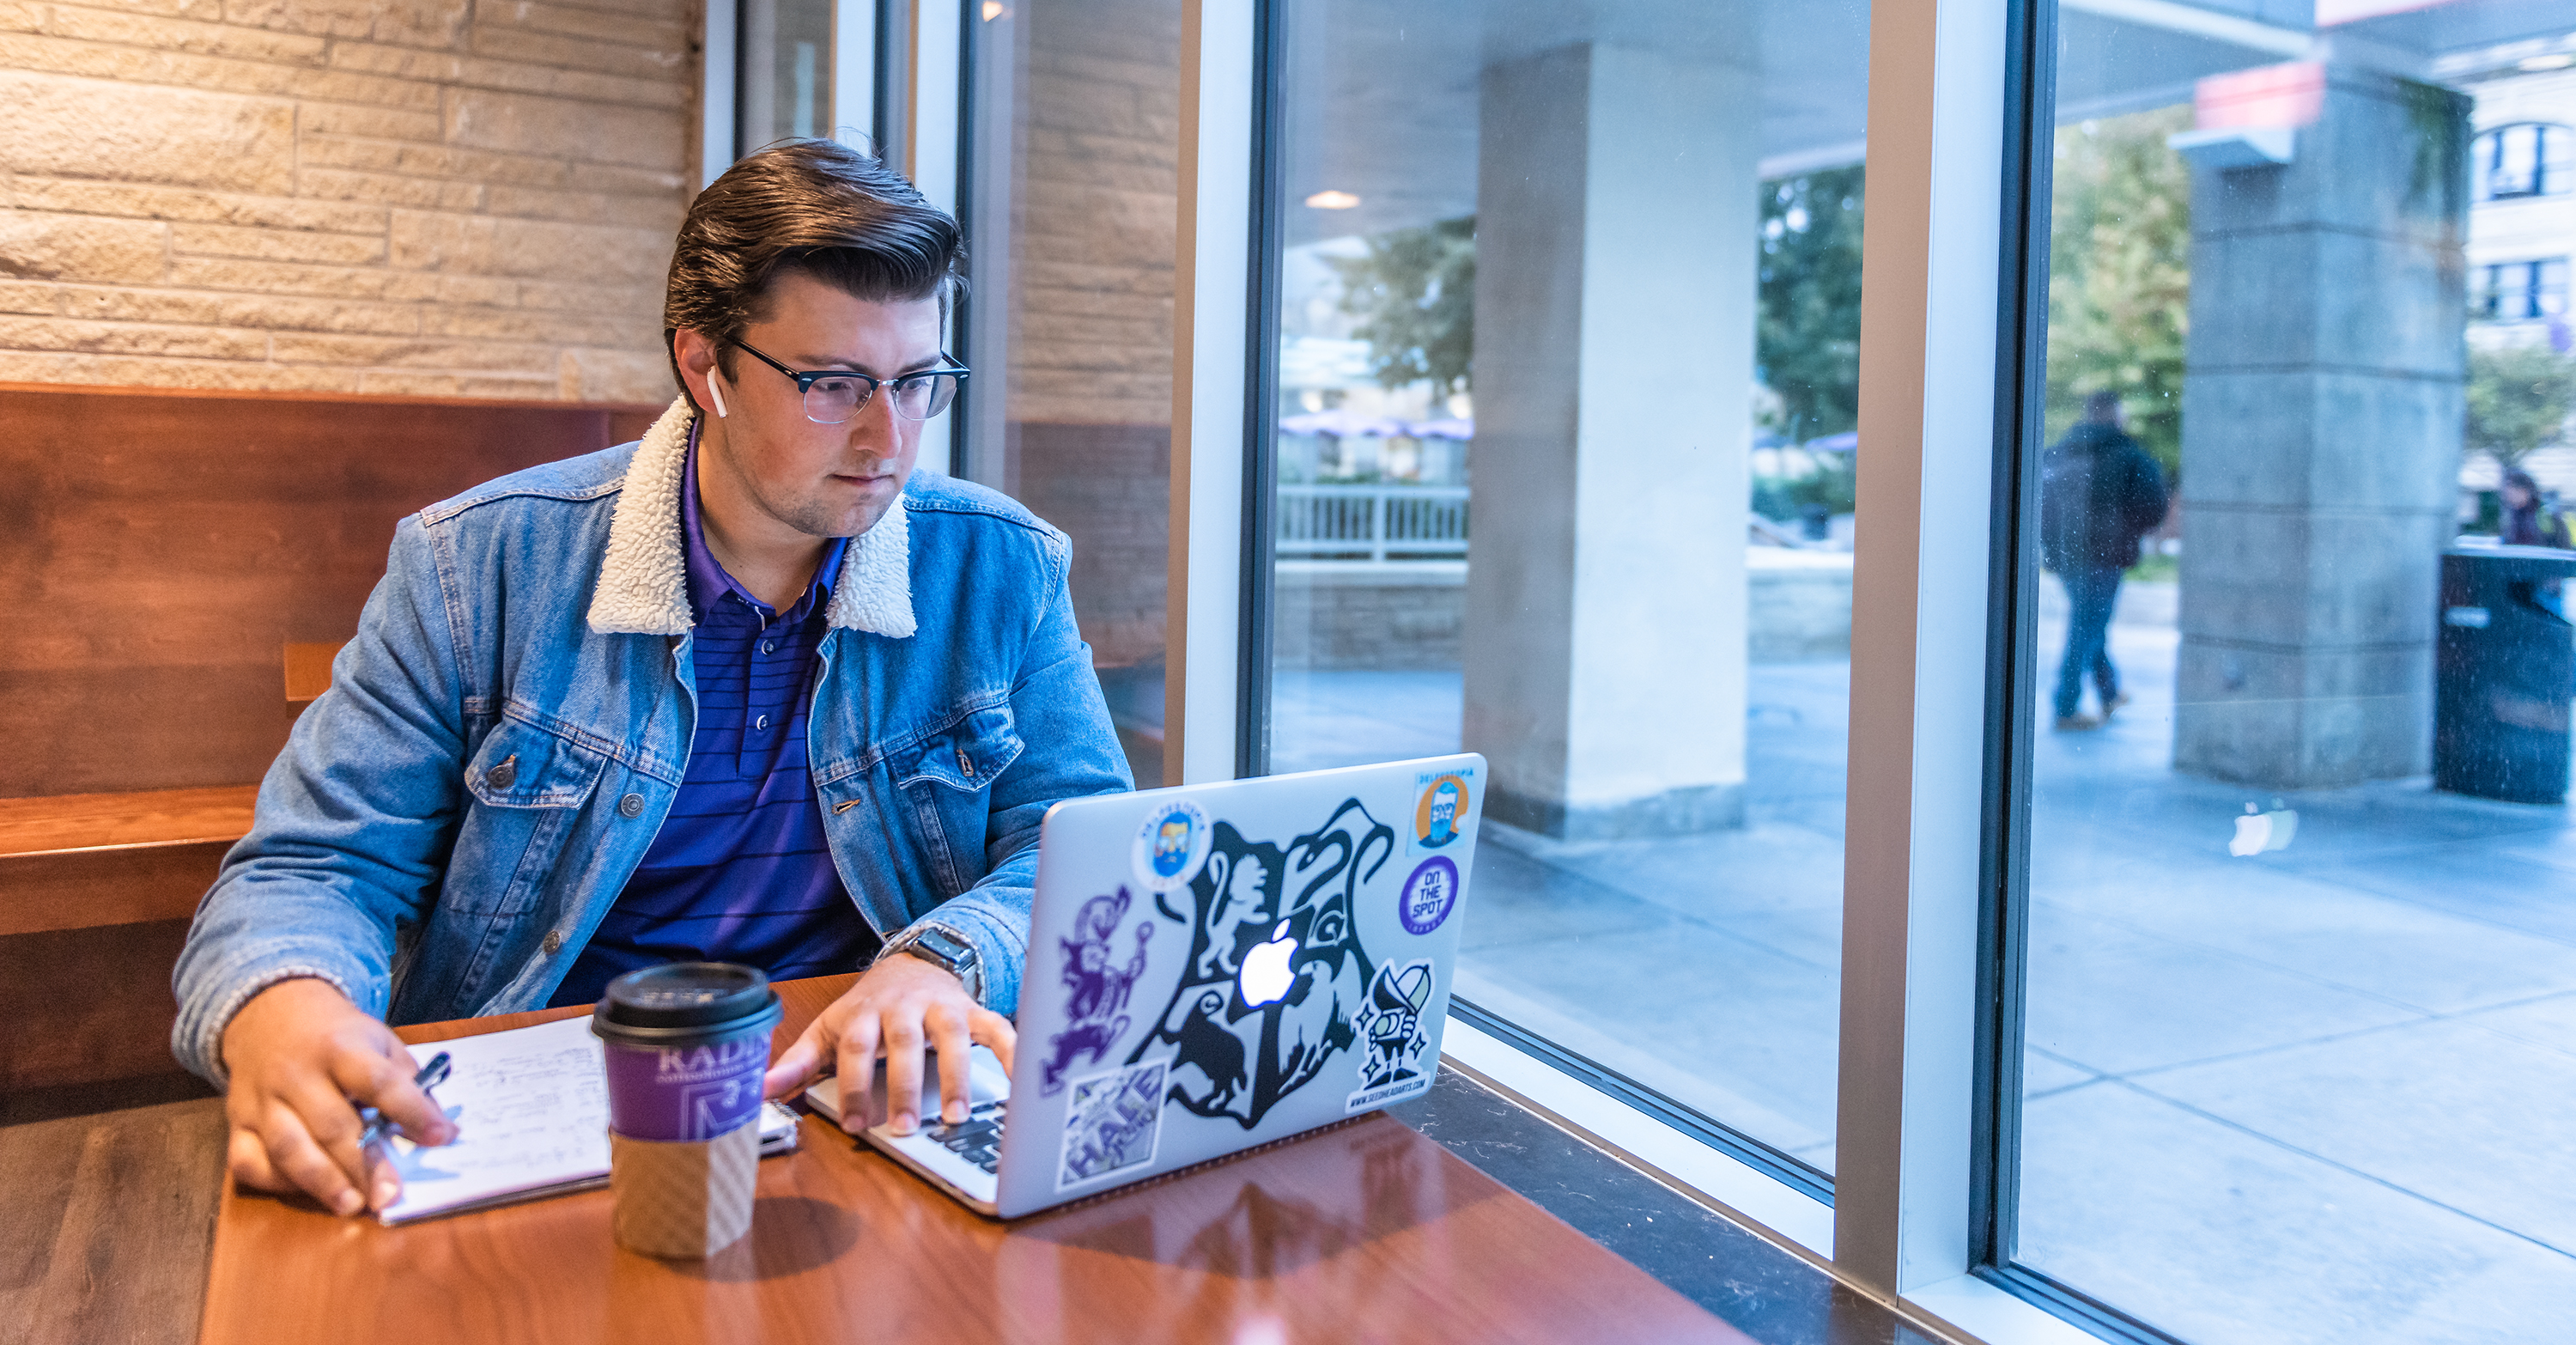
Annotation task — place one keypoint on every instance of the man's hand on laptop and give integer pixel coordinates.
(303, 1060)
(900, 1006)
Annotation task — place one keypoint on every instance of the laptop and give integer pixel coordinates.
(1212, 968)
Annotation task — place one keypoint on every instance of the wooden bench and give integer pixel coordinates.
(96, 891)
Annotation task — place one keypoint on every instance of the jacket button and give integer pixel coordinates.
(963, 763)
(499, 777)
(631, 806)
(553, 943)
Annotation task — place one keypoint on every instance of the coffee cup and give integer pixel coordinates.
(686, 1046)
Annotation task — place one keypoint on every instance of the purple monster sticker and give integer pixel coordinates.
(1099, 989)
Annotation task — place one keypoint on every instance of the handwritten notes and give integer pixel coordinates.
(531, 1113)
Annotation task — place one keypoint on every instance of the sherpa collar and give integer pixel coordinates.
(644, 580)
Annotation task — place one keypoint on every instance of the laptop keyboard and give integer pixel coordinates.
(977, 1139)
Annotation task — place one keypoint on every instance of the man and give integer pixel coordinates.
(2099, 493)
(748, 690)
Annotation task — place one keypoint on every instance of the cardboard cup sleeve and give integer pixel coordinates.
(687, 1199)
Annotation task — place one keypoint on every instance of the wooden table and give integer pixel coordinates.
(1363, 1232)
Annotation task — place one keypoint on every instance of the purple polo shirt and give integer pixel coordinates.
(740, 871)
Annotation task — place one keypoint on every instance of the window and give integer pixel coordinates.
(2284, 755)
(2520, 291)
(2532, 159)
(1561, 456)
(1068, 199)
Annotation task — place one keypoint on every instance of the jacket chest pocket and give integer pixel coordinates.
(527, 786)
(947, 778)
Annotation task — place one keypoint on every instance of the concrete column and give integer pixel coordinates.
(1616, 244)
(2322, 401)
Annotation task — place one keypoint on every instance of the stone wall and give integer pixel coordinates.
(1091, 305)
(388, 196)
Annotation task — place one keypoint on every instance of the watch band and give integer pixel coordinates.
(945, 950)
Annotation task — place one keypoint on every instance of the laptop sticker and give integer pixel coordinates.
(1391, 1066)
(1438, 812)
(1275, 975)
(1428, 895)
(1171, 846)
(1100, 987)
(1113, 1123)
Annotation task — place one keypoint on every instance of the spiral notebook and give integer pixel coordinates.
(531, 1113)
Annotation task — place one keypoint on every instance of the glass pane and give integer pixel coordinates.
(2300, 1008)
(1070, 204)
(787, 71)
(1567, 376)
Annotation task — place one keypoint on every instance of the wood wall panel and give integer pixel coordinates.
(84, 1005)
(165, 547)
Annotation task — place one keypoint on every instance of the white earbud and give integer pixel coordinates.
(718, 394)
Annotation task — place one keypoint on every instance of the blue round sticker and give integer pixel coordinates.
(1429, 895)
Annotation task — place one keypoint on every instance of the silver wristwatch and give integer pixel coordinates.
(940, 948)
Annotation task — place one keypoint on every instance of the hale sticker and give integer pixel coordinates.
(1113, 1122)
(1275, 973)
(1390, 1026)
(1098, 986)
(1429, 895)
(1440, 810)
(1171, 846)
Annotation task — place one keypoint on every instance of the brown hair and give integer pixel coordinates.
(808, 205)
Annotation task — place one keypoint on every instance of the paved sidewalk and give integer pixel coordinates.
(2313, 1095)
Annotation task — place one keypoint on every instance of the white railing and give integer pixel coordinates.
(1372, 523)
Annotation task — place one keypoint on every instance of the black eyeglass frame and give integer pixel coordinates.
(805, 381)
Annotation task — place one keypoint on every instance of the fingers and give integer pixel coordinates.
(903, 1069)
(857, 1065)
(996, 1032)
(384, 1082)
(247, 1158)
(293, 1154)
(796, 1067)
(948, 1037)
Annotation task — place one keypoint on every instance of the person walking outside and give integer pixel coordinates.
(2099, 493)
(2528, 519)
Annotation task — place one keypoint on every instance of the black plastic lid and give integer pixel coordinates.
(686, 994)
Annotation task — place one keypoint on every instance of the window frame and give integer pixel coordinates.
(1948, 248)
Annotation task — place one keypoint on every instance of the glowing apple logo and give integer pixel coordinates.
(1266, 976)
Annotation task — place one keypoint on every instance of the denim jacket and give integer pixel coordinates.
(502, 739)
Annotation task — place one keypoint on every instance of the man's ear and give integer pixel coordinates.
(694, 353)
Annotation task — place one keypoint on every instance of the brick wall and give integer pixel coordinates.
(1091, 305)
(444, 197)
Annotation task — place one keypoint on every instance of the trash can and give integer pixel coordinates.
(2505, 674)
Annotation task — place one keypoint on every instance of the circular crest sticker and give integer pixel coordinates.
(1429, 895)
(1171, 846)
(1436, 817)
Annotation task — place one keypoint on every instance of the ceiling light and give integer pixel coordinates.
(993, 9)
(2559, 61)
(1332, 200)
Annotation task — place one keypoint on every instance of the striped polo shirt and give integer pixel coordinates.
(740, 871)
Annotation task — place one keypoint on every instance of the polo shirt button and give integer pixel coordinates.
(761, 723)
(630, 806)
(554, 941)
(769, 646)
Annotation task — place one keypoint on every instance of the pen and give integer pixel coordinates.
(430, 1076)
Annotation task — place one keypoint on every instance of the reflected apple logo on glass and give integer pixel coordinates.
(1266, 977)
(2258, 831)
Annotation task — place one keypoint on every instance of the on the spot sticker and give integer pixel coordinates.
(1429, 895)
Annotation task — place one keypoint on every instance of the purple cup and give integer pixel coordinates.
(687, 1045)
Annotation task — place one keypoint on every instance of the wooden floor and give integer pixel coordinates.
(105, 1224)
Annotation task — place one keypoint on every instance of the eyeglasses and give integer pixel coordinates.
(834, 395)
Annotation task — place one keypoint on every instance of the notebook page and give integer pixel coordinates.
(531, 1113)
